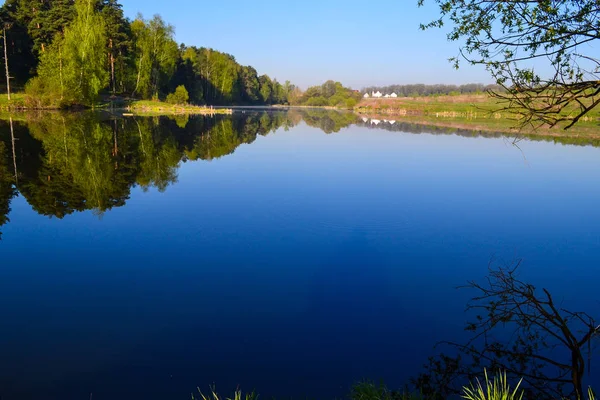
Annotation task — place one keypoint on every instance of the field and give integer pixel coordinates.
(476, 112)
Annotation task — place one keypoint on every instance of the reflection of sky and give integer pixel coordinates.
(297, 265)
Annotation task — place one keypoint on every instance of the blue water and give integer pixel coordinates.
(296, 265)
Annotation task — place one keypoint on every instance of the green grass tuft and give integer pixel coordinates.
(213, 395)
(497, 389)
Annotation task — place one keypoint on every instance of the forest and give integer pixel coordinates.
(71, 52)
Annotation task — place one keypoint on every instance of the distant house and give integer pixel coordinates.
(387, 96)
(366, 96)
(394, 95)
(365, 119)
(376, 94)
(375, 121)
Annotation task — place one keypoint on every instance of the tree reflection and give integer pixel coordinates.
(63, 163)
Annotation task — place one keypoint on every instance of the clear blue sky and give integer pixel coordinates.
(359, 43)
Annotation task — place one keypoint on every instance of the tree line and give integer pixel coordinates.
(420, 89)
(67, 52)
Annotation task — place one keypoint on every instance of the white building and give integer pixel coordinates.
(366, 96)
(394, 95)
(387, 96)
(376, 94)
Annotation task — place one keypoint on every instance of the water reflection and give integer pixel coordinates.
(62, 163)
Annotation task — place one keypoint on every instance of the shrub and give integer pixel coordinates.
(38, 94)
(180, 96)
(351, 103)
(317, 101)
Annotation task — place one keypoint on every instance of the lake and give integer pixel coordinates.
(293, 253)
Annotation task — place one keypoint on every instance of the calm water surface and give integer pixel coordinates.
(291, 253)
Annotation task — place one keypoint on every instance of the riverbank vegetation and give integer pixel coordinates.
(68, 53)
(472, 111)
(420, 90)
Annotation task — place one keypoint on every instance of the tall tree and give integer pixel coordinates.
(118, 34)
(156, 55)
(250, 85)
(73, 67)
(266, 89)
(512, 39)
(84, 44)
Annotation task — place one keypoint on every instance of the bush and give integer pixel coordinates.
(317, 101)
(351, 103)
(180, 96)
(40, 95)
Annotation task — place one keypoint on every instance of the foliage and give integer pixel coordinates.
(513, 39)
(497, 389)
(67, 52)
(331, 93)
(180, 96)
(156, 55)
(72, 69)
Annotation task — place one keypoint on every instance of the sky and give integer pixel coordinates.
(359, 43)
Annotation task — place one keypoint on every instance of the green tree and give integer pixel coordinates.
(84, 48)
(512, 39)
(44, 20)
(119, 36)
(156, 55)
(266, 89)
(180, 96)
(72, 70)
(250, 85)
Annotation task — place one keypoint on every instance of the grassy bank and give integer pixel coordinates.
(147, 107)
(475, 112)
(16, 102)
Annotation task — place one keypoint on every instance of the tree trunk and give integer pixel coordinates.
(6, 67)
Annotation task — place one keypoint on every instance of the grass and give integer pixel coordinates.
(496, 389)
(151, 107)
(17, 101)
(237, 395)
(474, 112)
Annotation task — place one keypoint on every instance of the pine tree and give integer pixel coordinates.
(119, 44)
